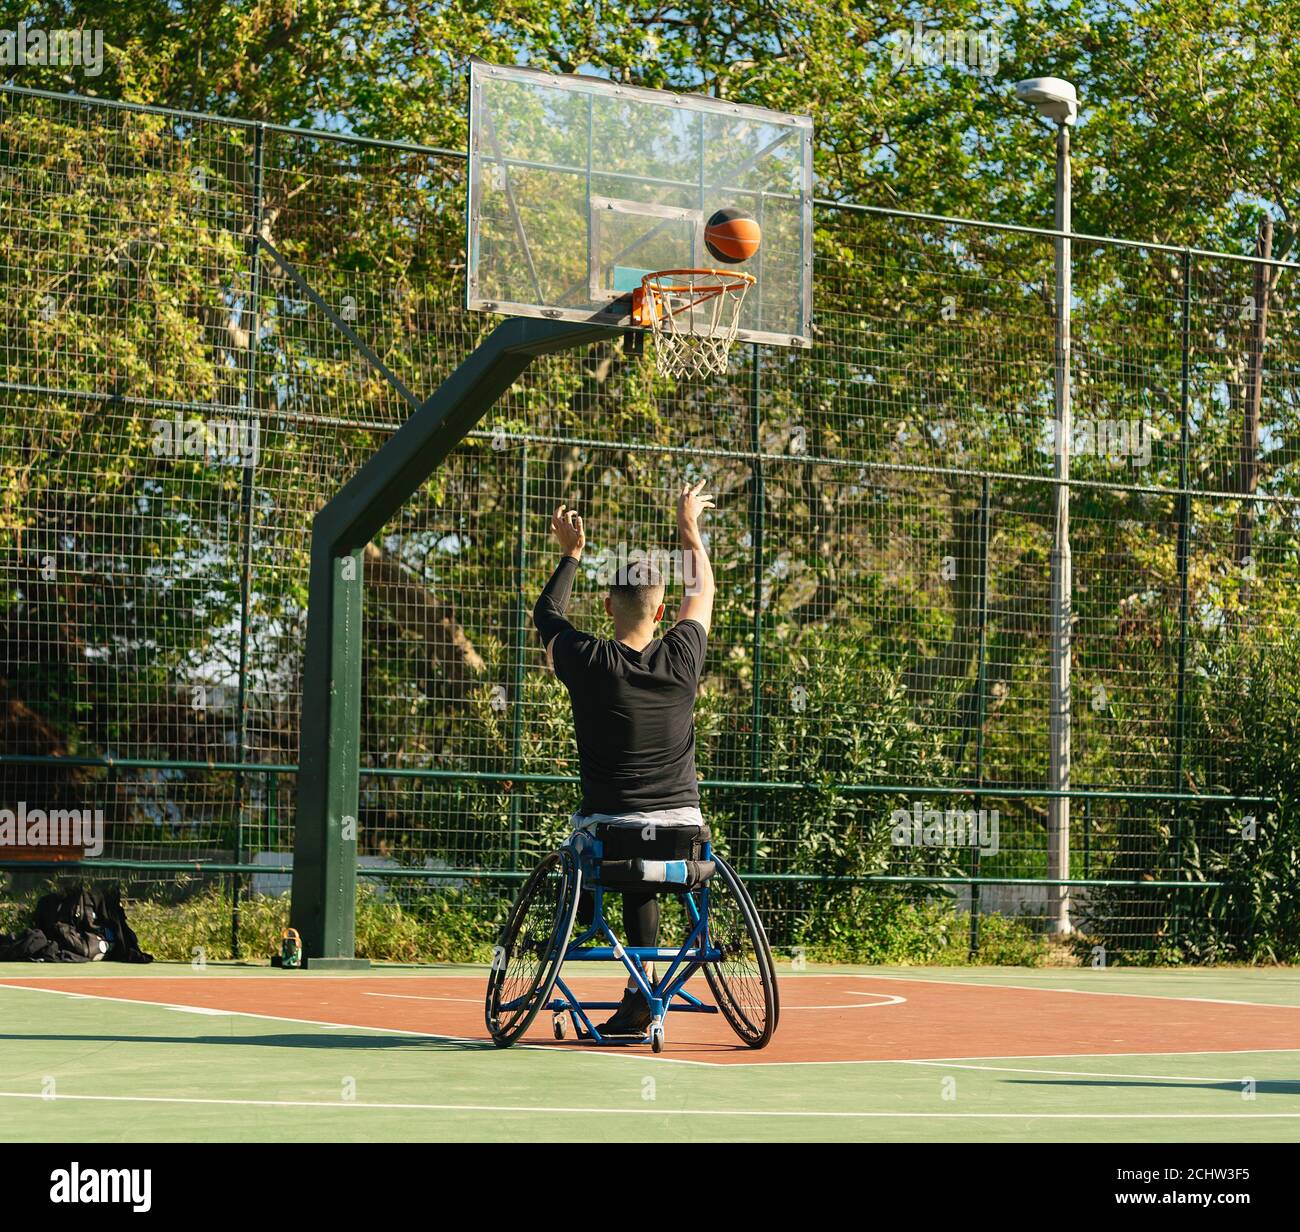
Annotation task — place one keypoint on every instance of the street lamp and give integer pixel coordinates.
(1056, 100)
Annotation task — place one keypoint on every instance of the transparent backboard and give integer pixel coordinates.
(578, 187)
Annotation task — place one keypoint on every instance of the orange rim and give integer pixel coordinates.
(740, 281)
(650, 286)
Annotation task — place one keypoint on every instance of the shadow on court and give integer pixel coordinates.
(1275, 1086)
(361, 1043)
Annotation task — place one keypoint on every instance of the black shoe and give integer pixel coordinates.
(633, 1016)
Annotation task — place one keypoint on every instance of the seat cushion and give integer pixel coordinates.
(638, 842)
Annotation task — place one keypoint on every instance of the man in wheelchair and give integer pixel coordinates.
(633, 698)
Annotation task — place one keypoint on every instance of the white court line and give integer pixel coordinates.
(821, 975)
(410, 996)
(628, 1054)
(306, 1022)
(1084, 1073)
(1013, 1056)
(611, 1053)
(887, 999)
(652, 1112)
(1120, 972)
(1081, 992)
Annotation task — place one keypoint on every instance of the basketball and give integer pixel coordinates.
(732, 236)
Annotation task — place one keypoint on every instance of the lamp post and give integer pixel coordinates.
(1055, 100)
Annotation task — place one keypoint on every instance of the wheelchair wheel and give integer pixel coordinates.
(531, 950)
(744, 981)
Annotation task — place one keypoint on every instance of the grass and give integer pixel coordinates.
(448, 926)
(887, 928)
(428, 928)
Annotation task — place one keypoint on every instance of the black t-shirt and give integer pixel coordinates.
(633, 711)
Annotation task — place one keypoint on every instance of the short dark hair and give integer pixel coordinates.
(637, 590)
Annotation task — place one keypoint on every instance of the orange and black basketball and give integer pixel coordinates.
(732, 236)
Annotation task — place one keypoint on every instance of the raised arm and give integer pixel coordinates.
(548, 612)
(698, 603)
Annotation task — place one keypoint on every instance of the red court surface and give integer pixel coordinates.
(824, 1018)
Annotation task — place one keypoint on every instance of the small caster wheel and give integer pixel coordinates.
(557, 1026)
(657, 1038)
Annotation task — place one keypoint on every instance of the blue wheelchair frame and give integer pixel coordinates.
(668, 993)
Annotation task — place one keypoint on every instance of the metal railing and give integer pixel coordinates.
(906, 445)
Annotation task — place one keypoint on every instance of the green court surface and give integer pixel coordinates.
(124, 1063)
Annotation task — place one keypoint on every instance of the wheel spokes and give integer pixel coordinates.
(741, 969)
(742, 979)
(531, 947)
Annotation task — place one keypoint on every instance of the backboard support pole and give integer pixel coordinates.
(325, 842)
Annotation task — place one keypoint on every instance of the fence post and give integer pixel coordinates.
(517, 683)
(272, 816)
(756, 542)
(1087, 837)
(1183, 552)
(1061, 650)
(980, 689)
(246, 520)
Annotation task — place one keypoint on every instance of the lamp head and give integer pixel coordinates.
(1050, 97)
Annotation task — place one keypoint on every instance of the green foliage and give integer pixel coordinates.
(126, 277)
(16, 911)
(415, 926)
(1168, 145)
(1005, 941)
(1244, 696)
(860, 925)
(837, 716)
(893, 927)
(427, 927)
(198, 928)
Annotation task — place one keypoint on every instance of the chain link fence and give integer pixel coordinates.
(873, 724)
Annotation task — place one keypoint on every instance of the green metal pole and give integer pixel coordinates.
(756, 523)
(980, 688)
(517, 684)
(98, 865)
(1087, 839)
(114, 764)
(325, 840)
(272, 816)
(246, 508)
(1183, 554)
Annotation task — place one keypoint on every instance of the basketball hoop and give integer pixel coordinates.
(694, 315)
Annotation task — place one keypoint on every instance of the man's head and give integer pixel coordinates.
(636, 597)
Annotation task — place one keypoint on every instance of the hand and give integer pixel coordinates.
(692, 502)
(566, 526)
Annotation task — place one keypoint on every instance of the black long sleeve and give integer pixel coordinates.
(548, 612)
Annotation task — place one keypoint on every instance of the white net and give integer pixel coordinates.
(694, 316)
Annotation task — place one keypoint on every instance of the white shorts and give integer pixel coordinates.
(688, 815)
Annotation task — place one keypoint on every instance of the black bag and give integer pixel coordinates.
(31, 946)
(77, 925)
(123, 944)
(71, 921)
